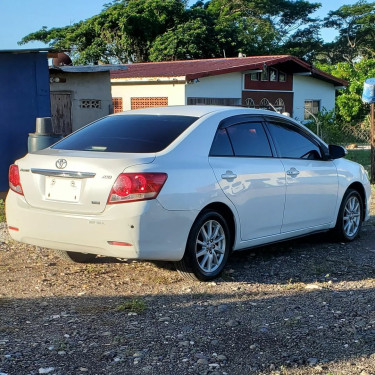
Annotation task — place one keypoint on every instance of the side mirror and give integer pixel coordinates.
(337, 152)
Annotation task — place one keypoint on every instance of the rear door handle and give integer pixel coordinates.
(292, 172)
(229, 175)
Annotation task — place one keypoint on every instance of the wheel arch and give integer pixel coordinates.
(357, 186)
(228, 215)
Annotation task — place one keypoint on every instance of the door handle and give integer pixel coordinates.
(292, 172)
(229, 175)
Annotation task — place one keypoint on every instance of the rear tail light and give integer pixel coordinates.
(130, 187)
(14, 179)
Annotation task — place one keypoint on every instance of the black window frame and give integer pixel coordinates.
(323, 150)
(244, 119)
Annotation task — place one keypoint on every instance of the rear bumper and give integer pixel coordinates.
(151, 231)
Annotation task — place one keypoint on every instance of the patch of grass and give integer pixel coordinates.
(293, 285)
(134, 305)
(94, 269)
(360, 156)
(2, 211)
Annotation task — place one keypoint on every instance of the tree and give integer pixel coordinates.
(257, 27)
(144, 30)
(349, 106)
(356, 26)
(124, 31)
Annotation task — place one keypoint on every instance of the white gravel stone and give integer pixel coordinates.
(46, 370)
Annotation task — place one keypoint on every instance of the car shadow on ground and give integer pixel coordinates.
(314, 258)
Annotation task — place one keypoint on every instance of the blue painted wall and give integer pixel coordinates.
(24, 96)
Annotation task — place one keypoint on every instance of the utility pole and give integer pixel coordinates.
(368, 96)
(372, 145)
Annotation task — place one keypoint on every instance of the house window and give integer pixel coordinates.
(249, 102)
(264, 74)
(254, 76)
(90, 103)
(117, 105)
(311, 108)
(282, 77)
(264, 104)
(214, 101)
(137, 103)
(280, 105)
(273, 75)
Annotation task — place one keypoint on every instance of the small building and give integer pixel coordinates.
(24, 96)
(80, 95)
(284, 83)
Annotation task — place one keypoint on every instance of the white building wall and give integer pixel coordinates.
(175, 92)
(95, 86)
(308, 88)
(221, 86)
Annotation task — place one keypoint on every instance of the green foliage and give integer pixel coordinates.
(154, 30)
(349, 106)
(2, 211)
(327, 127)
(360, 156)
(356, 26)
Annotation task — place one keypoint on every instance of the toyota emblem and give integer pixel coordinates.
(61, 163)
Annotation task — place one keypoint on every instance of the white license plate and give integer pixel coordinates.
(63, 189)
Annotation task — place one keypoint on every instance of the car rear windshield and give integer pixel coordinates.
(127, 133)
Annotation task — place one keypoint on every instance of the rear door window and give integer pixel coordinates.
(128, 134)
(249, 139)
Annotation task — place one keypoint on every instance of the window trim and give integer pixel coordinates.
(265, 120)
(244, 119)
(300, 131)
(276, 75)
(254, 77)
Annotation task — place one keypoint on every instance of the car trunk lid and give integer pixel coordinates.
(73, 181)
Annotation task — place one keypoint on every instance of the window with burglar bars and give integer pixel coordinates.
(90, 103)
(312, 108)
(214, 101)
(137, 103)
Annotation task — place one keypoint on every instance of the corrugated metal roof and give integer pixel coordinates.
(193, 69)
(28, 50)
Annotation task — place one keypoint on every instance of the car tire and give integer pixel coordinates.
(207, 249)
(350, 216)
(74, 257)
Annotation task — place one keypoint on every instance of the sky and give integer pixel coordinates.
(21, 17)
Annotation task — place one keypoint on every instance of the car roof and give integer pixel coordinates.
(196, 110)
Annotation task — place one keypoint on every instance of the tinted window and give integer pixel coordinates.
(249, 139)
(221, 145)
(292, 144)
(130, 133)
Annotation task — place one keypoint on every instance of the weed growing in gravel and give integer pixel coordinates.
(293, 285)
(133, 305)
(2, 211)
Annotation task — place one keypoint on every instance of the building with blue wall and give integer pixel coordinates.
(24, 96)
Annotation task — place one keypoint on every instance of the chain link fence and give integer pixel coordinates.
(357, 134)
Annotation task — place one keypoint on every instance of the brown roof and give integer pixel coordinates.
(193, 69)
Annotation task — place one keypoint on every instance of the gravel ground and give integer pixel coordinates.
(301, 307)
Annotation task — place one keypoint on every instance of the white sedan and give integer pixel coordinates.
(187, 184)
